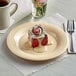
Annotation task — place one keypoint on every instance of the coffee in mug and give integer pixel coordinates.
(3, 3)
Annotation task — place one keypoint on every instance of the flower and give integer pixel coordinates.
(42, 1)
(37, 3)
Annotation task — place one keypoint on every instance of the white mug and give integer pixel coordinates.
(5, 14)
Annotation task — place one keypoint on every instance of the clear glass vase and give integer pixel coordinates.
(39, 8)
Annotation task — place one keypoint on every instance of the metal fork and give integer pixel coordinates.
(70, 30)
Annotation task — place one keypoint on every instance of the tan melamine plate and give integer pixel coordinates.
(17, 42)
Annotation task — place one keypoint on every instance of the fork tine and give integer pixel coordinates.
(73, 25)
(64, 27)
(67, 25)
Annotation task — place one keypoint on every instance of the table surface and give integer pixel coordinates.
(66, 67)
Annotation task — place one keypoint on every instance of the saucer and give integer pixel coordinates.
(17, 42)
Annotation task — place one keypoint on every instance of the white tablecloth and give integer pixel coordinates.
(22, 65)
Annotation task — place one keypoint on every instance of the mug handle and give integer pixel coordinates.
(14, 9)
